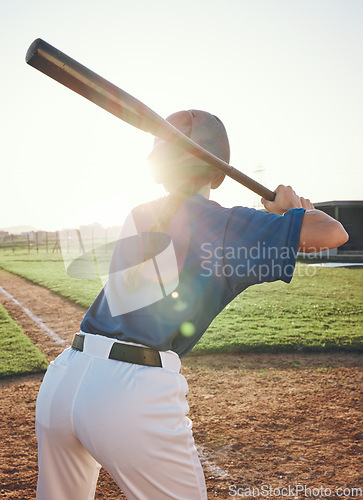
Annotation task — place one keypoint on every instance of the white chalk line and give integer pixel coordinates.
(36, 320)
(206, 460)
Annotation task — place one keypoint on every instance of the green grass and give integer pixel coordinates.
(17, 354)
(320, 310)
(48, 270)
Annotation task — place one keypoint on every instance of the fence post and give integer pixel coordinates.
(27, 237)
(57, 245)
(12, 242)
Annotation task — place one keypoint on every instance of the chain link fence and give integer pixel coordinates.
(65, 241)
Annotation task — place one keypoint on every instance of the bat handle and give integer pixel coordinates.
(266, 193)
(255, 186)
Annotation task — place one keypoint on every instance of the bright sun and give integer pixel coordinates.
(125, 182)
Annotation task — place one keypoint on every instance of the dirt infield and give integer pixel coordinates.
(289, 426)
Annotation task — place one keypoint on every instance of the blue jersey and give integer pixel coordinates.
(218, 252)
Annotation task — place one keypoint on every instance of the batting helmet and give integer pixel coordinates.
(203, 128)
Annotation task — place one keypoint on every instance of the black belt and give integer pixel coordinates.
(125, 352)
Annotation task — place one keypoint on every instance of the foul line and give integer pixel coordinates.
(207, 461)
(36, 320)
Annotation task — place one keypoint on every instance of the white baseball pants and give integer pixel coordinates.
(130, 419)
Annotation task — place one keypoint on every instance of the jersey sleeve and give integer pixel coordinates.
(260, 247)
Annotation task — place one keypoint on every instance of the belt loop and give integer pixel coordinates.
(98, 346)
(170, 361)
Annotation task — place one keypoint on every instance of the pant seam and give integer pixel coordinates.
(90, 361)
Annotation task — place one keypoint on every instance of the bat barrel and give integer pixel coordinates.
(70, 73)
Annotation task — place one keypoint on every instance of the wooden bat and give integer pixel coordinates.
(93, 87)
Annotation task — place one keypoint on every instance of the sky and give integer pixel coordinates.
(284, 76)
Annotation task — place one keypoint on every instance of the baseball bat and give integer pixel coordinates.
(65, 70)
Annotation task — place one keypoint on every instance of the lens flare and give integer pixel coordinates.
(187, 329)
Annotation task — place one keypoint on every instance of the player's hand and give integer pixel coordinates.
(285, 199)
(305, 203)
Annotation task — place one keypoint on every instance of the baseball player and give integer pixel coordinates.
(116, 398)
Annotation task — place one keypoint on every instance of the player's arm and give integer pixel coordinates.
(319, 231)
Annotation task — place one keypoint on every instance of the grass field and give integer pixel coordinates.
(17, 354)
(320, 310)
(48, 270)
